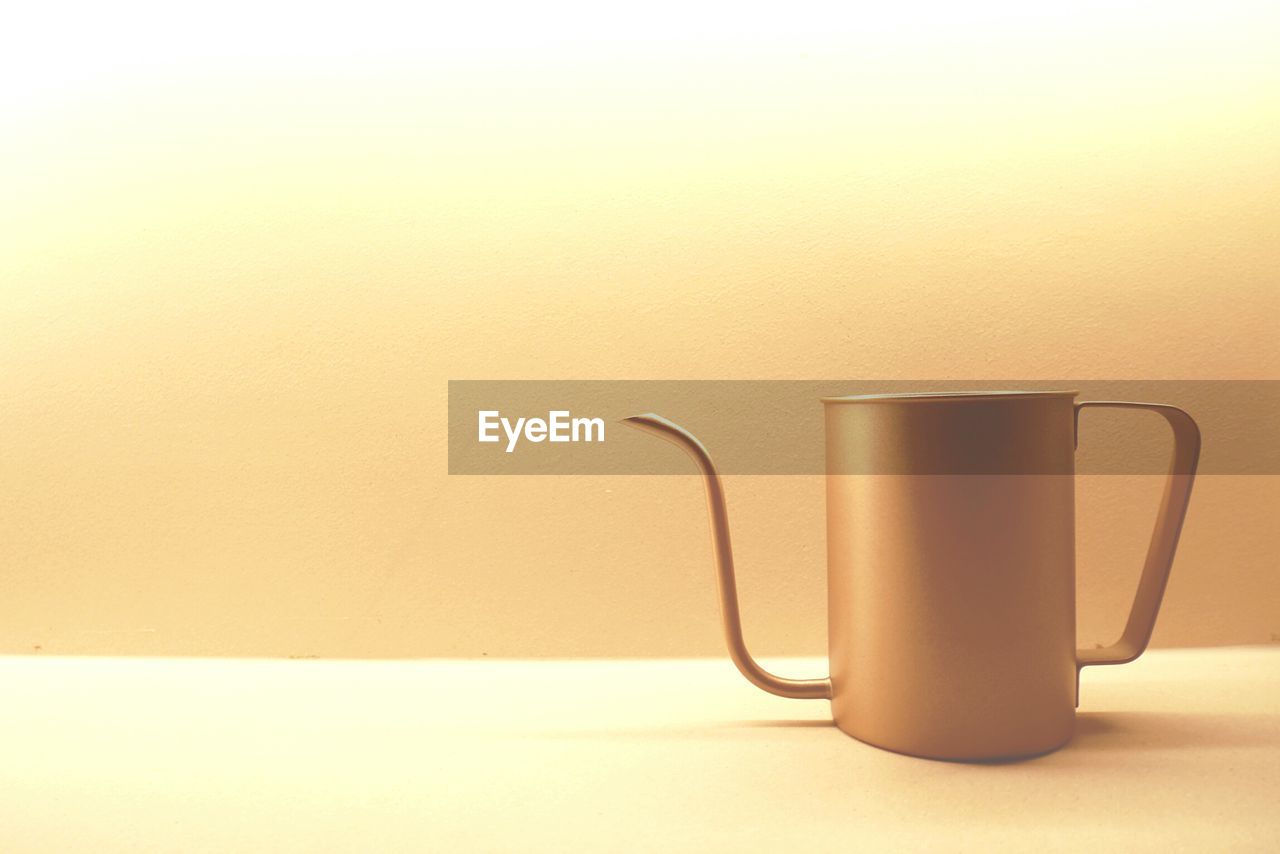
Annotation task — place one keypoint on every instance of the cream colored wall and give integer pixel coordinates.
(237, 273)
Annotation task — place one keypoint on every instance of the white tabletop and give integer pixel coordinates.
(1179, 751)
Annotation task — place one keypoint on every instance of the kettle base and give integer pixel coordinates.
(961, 755)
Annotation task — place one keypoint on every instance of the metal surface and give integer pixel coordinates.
(951, 568)
(801, 689)
(1164, 539)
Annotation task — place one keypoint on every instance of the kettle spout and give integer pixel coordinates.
(723, 549)
(671, 432)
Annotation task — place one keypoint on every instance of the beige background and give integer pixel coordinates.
(237, 271)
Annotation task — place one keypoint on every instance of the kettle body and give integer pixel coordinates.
(951, 568)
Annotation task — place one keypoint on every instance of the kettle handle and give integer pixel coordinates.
(1164, 539)
(801, 689)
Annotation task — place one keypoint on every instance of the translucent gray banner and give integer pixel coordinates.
(778, 427)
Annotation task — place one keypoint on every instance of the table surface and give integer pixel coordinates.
(1178, 751)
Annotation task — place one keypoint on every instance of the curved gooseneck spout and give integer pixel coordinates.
(805, 689)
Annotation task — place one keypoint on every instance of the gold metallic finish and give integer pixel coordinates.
(801, 689)
(951, 568)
